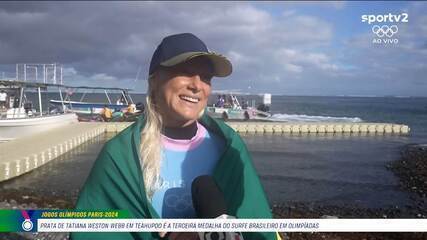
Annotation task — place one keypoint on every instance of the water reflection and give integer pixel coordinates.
(334, 169)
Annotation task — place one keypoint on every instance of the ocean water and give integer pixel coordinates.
(334, 169)
(338, 169)
(411, 111)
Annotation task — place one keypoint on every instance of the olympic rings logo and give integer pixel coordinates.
(178, 203)
(385, 30)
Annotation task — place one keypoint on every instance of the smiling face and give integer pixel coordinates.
(183, 91)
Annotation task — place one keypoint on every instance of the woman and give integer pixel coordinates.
(148, 168)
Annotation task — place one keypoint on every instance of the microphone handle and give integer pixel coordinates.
(221, 235)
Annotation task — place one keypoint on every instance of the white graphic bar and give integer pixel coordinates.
(232, 225)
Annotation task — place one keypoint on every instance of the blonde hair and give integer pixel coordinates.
(151, 148)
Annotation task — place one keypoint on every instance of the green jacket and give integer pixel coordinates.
(116, 181)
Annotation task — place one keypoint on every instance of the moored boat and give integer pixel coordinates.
(12, 128)
(229, 108)
(18, 118)
(123, 108)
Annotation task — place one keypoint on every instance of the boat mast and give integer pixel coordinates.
(83, 96)
(25, 72)
(106, 94)
(21, 95)
(44, 73)
(124, 96)
(62, 100)
(54, 73)
(131, 100)
(40, 102)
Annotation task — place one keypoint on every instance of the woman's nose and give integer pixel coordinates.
(196, 83)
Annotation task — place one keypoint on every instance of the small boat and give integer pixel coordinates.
(13, 128)
(92, 111)
(229, 108)
(19, 119)
(87, 107)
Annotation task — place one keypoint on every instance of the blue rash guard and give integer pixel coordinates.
(183, 161)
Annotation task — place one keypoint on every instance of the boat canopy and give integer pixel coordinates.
(14, 83)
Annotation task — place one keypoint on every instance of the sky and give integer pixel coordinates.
(285, 48)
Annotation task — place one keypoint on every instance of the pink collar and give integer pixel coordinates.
(185, 144)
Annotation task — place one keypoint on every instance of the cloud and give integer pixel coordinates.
(69, 71)
(102, 77)
(294, 60)
(107, 43)
(292, 68)
(288, 13)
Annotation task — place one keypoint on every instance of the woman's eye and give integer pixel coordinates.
(206, 78)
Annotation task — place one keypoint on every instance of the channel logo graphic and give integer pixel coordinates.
(385, 31)
(386, 18)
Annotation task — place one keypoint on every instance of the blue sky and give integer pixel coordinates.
(289, 48)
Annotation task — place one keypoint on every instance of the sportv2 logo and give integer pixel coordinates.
(383, 33)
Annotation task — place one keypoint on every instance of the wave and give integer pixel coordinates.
(307, 118)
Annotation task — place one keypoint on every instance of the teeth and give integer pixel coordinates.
(190, 99)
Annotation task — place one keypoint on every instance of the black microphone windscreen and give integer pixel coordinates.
(208, 200)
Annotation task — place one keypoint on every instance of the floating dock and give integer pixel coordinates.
(22, 155)
(25, 154)
(318, 128)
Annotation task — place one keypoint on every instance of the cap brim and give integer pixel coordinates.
(222, 66)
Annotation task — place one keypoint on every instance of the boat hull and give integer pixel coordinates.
(87, 108)
(238, 114)
(20, 127)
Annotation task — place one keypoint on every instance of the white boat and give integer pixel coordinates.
(83, 107)
(123, 108)
(19, 119)
(12, 128)
(231, 109)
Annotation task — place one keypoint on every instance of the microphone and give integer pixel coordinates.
(209, 202)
